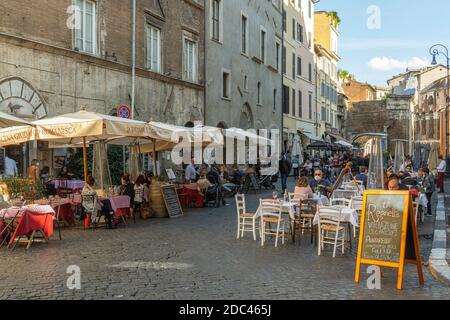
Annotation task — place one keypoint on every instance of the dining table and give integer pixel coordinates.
(121, 205)
(28, 221)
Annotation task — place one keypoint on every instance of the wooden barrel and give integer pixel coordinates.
(157, 201)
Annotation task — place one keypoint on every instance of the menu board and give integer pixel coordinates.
(388, 234)
(171, 200)
(383, 225)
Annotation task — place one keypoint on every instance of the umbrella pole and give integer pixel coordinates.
(85, 159)
(155, 173)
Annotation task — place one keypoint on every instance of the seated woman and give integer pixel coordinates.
(92, 205)
(303, 187)
(203, 184)
(227, 185)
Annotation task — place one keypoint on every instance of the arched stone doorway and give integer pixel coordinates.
(19, 98)
(246, 119)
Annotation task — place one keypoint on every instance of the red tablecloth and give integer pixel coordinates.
(192, 195)
(66, 212)
(30, 221)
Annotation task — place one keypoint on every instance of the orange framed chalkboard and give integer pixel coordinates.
(388, 234)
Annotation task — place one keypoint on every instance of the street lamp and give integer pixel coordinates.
(435, 51)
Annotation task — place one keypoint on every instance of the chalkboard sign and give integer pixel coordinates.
(388, 235)
(171, 200)
(2, 160)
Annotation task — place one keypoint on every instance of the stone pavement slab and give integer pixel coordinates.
(196, 256)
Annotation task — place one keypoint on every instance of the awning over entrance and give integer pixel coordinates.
(311, 136)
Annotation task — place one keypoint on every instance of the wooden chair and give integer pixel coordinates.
(90, 199)
(357, 204)
(346, 194)
(246, 221)
(64, 191)
(330, 230)
(271, 215)
(304, 220)
(340, 202)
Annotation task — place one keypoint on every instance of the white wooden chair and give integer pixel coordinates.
(357, 204)
(271, 212)
(246, 221)
(417, 211)
(297, 197)
(330, 230)
(340, 202)
(345, 193)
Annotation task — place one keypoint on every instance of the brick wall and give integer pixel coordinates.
(357, 91)
(377, 116)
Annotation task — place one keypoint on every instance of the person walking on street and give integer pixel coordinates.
(441, 169)
(428, 186)
(285, 169)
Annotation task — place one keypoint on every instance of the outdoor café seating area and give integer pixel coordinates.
(299, 219)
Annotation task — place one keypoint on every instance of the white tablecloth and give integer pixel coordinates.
(348, 215)
(71, 184)
(423, 201)
(321, 200)
(16, 211)
(287, 207)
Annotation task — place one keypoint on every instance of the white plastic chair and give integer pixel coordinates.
(246, 221)
(271, 214)
(330, 230)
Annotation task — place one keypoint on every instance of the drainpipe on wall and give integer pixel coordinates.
(205, 82)
(133, 59)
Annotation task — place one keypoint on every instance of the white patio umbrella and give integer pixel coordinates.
(83, 127)
(16, 135)
(8, 120)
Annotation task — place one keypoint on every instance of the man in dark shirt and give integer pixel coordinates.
(285, 169)
(324, 185)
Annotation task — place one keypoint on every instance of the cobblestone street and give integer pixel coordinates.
(194, 257)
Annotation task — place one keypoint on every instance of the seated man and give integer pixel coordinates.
(395, 185)
(407, 180)
(320, 184)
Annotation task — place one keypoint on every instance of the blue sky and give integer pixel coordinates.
(407, 30)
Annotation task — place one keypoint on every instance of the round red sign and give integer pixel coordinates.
(123, 112)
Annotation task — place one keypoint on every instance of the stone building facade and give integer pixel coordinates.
(299, 107)
(431, 126)
(243, 64)
(391, 116)
(326, 37)
(50, 63)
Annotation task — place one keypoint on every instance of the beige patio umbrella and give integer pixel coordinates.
(83, 127)
(434, 155)
(16, 135)
(7, 120)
